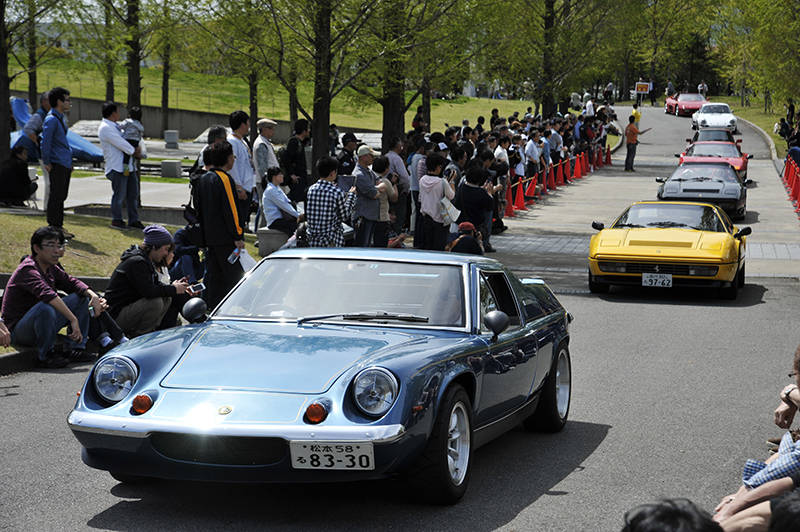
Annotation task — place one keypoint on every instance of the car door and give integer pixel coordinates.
(509, 363)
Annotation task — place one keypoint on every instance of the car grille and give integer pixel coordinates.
(649, 267)
(221, 450)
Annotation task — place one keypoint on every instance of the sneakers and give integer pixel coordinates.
(106, 348)
(774, 441)
(78, 355)
(52, 360)
(487, 247)
(67, 234)
(136, 225)
(119, 224)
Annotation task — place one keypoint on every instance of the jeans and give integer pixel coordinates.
(125, 188)
(59, 190)
(40, 325)
(187, 266)
(364, 233)
(630, 156)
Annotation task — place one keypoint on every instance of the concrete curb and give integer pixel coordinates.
(17, 361)
(771, 143)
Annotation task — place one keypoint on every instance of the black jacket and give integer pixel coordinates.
(218, 215)
(14, 178)
(135, 278)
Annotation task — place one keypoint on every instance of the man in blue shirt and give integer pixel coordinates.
(57, 157)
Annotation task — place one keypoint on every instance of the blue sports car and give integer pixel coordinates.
(334, 365)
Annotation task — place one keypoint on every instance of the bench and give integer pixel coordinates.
(270, 241)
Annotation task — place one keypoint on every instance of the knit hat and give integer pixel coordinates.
(156, 235)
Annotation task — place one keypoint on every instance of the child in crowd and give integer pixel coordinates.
(132, 131)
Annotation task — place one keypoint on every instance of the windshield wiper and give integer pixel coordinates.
(667, 224)
(628, 225)
(367, 316)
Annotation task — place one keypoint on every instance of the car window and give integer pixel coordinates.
(291, 288)
(669, 215)
(714, 134)
(503, 299)
(713, 150)
(726, 221)
(704, 172)
(690, 98)
(715, 109)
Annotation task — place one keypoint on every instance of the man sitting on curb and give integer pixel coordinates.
(33, 311)
(137, 299)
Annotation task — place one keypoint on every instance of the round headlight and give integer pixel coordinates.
(114, 378)
(375, 391)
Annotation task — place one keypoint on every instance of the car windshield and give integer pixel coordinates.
(710, 172)
(669, 215)
(350, 291)
(713, 150)
(713, 134)
(716, 109)
(690, 98)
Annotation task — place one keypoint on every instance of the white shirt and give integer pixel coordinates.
(242, 172)
(501, 154)
(590, 108)
(262, 143)
(113, 145)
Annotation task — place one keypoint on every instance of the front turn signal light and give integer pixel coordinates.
(316, 413)
(142, 403)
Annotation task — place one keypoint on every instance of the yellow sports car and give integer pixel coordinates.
(669, 243)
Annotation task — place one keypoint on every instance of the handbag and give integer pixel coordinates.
(448, 211)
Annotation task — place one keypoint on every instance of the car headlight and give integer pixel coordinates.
(703, 122)
(375, 391)
(114, 378)
(614, 267)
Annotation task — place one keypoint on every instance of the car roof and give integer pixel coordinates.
(395, 255)
(676, 203)
(729, 143)
(705, 163)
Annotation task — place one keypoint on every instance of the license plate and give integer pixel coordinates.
(661, 280)
(331, 455)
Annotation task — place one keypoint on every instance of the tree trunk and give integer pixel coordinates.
(548, 90)
(625, 92)
(33, 98)
(134, 54)
(322, 83)
(165, 58)
(252, 82)
(109, 60)
(5, 104)
(394, 96)
(426, 103)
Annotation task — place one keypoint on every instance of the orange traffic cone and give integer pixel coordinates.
(531, 192)
(519, 204)
(568, 173)
(560, 174)
(577, 173)
(509, 213)
(544, 191)
(608, 158)
(599, 158)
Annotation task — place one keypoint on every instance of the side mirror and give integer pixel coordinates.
(660, 180)
(739, 141)
(748, 182)
(744, 231)
(194, 311)
(688, 140)
(598, 225)
(497, 321)
(750, 156)
(677, 154)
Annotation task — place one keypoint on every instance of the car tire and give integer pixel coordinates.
(731, 292)
(597, 288)
(666, 109)
(126, 478)
(553, 409)
(441, 473)
(741, 276)
(677, 113)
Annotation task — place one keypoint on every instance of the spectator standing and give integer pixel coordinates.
(333, 139)
(670, 88)
(347, 157)
(278, 209)
(217, 211)
(386, 196)
(242, 172)
(294, 161)
(34, 312)
(590, 106)
(702, 88)
(57, 157)
(432, 189)
(125, 187)
(33, 130)
(327, 207)
(138, 299)
(653, 95)
(15, 184)
(216, 134)
(132, 131)
(367, 210)
(608, 94)
(533, 153)
(263, 159)
(396, 167)
(418, 122)
(636, 114)
(790, 113)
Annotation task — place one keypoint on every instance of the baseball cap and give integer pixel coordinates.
(463, 227)
(365, 150)
(349, 137)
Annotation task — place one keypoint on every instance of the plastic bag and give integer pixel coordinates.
(247, 261)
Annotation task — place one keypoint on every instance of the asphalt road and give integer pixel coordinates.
(672, 392)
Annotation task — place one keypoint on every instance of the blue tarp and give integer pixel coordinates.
(82, 149)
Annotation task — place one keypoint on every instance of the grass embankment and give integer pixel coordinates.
(222, 94)
(94, 252)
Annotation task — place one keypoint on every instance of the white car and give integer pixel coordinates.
(715, 115)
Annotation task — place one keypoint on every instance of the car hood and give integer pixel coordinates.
(279, 357)
(660, 243)
(713, 119)
(733, 161)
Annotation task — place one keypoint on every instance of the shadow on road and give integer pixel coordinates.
(752, 294)
(508, 475)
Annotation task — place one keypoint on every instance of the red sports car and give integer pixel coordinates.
(728, 152)
(684, 104)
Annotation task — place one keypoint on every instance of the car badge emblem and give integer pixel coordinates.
(656, 269)
(224, 410)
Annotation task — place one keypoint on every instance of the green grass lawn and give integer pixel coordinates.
(222, 94)
(94, 252)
